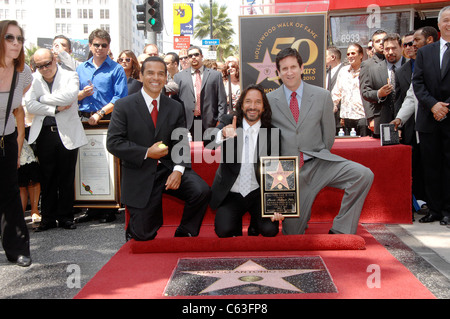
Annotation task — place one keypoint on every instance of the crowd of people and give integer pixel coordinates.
(149, 96)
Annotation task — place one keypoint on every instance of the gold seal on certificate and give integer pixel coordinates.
(279, 186)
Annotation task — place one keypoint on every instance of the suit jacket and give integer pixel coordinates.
(374, 78)
(41, 102)
(213, 96)
(403, 78)
(268, 144)
(314, 133)
(429, 87)
(131, 132)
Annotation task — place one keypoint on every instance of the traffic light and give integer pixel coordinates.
(154, 15)
(141, 17)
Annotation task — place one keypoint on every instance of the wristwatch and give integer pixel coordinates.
(101, 113)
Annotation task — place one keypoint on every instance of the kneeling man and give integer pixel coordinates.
(244, 137)
(144, 130)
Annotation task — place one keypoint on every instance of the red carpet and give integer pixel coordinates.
(145, 276)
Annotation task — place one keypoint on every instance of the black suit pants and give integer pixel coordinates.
(14, 232)
(228, 221)
(145, 222)
(435, 154)
(57, 176)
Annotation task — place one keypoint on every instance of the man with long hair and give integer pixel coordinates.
(236, 189)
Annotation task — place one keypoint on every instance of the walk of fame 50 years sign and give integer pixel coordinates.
(280, 186)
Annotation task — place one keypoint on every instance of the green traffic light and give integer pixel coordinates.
(152, 21)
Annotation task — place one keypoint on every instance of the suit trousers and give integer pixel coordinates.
(14, 231)
(316, 174)
(145, 222)
(435, 154)
(57, 176)
(228, 221)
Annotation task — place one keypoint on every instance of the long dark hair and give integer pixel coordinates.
(19, 63)
(266, 116)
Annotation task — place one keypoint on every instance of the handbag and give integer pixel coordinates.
(8, 110)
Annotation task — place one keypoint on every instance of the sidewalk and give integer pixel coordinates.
(423, 248)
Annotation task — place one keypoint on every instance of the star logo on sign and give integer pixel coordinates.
(280, 177)
(267, 69)
(251, 273)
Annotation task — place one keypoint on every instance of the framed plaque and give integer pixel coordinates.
(97, 173)
(280, 186)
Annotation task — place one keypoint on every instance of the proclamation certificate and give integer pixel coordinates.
(95, 174)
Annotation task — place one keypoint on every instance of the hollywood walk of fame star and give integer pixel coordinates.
(251, 273)
(267, 69)
(280, 176)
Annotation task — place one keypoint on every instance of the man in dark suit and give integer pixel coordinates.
(236, 189)
(147, 132)
(203, 94)
(376, 57)
(431, 82)
(378, 83)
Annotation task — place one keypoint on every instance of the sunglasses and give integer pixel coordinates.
(408, 44)
(98, 45)
(197, 54)
(120, 60)
(11, 38)
(351, 53)
(44, 66)
(182, 58)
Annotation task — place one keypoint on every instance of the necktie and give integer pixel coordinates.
(246, 169)
(445, 60)
(154, 112)
(392, 79)
(198, 89)
(293, 105)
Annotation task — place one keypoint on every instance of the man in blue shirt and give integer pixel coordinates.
(102, 81)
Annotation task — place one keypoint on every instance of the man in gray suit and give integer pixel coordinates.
(304, 115)
(203, 94)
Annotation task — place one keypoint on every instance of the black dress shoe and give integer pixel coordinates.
(252, 231)
(128, 236)
(429, 218)
(68, 224)
(445, 221)
(22, 261)
(46, 225)
(180, 233)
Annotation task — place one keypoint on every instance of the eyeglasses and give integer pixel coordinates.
(120, 60)
(408, 44)
(197, 54)
(98, 45)
(44, 66)
(11, 38)
(182, 58)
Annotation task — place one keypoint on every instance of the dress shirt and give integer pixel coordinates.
(346, 91)
(201, 69)
(443, 46)
(149, 102)
(109, 80)
(299, 96)
(253, 131)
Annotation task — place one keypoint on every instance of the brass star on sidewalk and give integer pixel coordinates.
(280, 177)
(251, 273)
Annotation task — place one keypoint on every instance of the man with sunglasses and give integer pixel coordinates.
(58, 134)
(102, 81)
(203, 94)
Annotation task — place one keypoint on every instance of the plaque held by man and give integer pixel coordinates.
(280, 186)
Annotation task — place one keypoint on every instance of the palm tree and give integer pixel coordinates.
(222, 28)
(29, 52)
